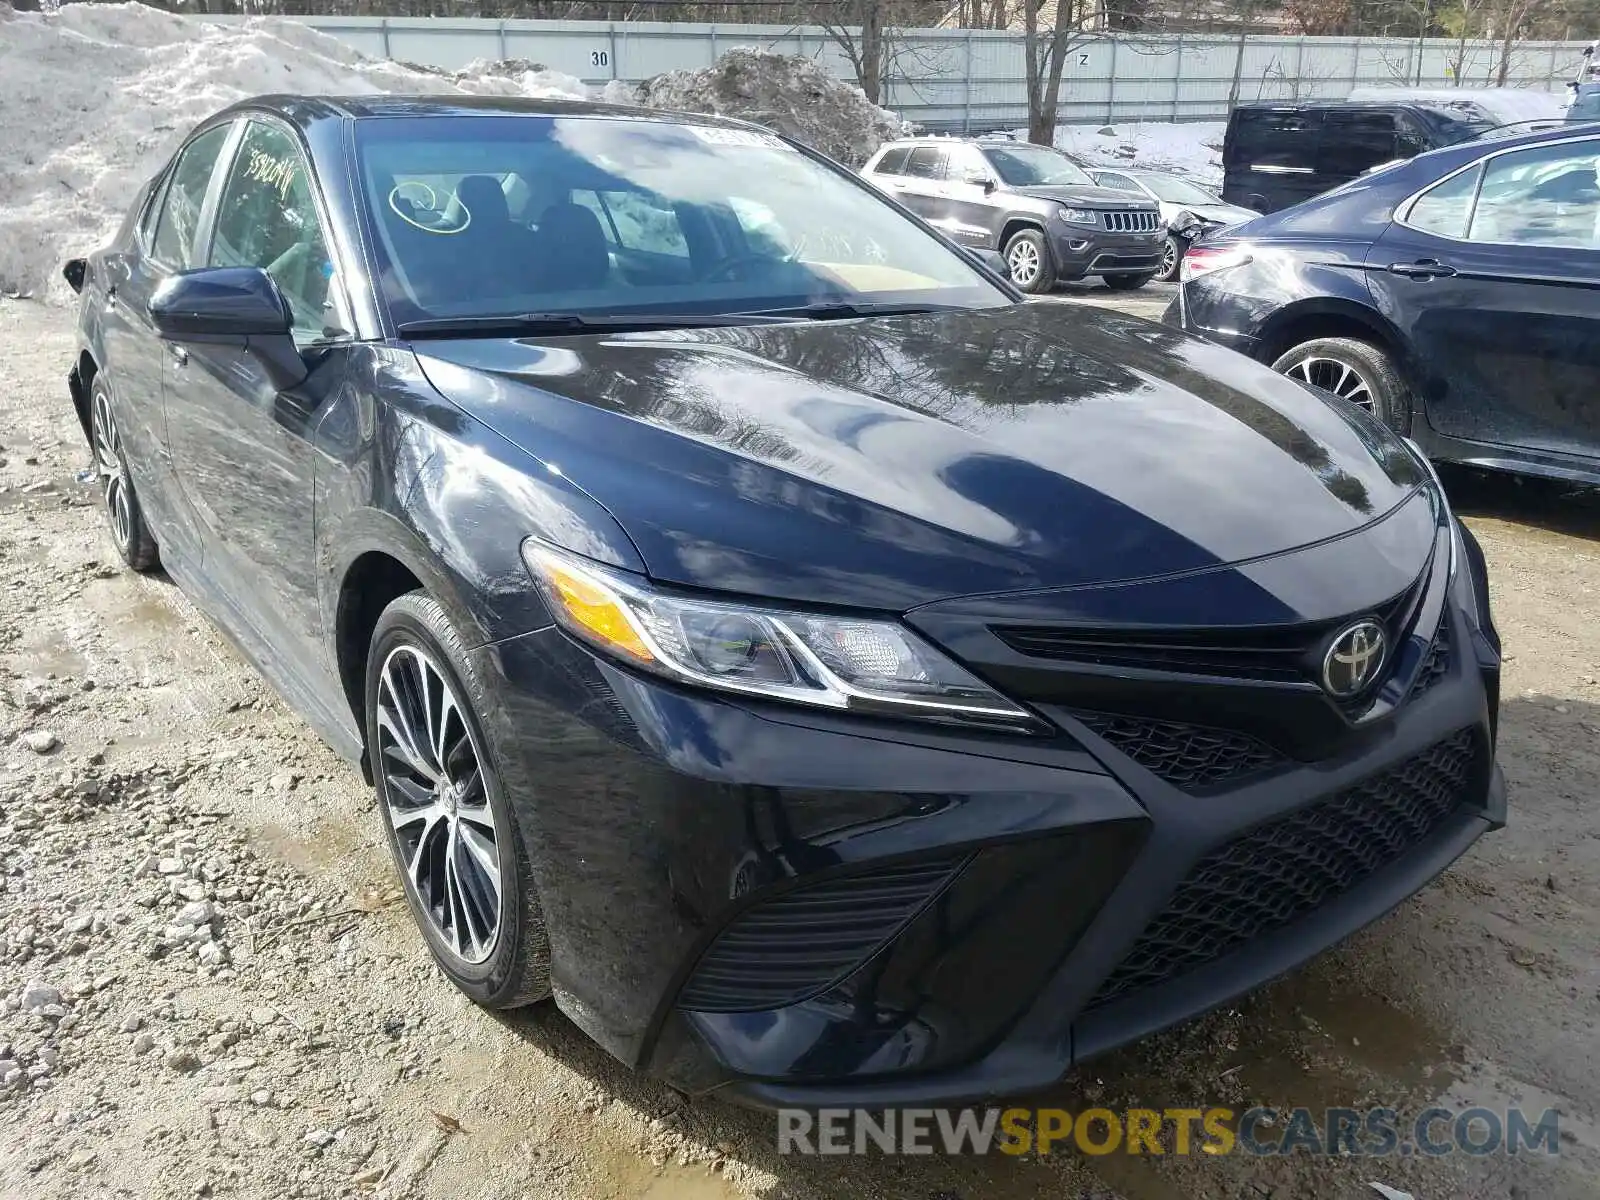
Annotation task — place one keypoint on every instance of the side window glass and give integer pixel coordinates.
(1446, 208)
(267, 219)
(1352, 141)
(1120, 183)
(1266, 138)
(926, 162)
(893, 162)
(965, 164)
(1544, 196)
(179, 218)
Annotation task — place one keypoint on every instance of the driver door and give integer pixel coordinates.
(970, 208)
(242, 449)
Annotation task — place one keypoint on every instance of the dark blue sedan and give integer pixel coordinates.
(826, 676)
(1456, 296)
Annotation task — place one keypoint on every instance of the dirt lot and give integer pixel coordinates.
(210, 986)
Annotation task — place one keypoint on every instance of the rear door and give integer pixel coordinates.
(166, 242)
(1493, 275)
(921, 188)
(1270, 157)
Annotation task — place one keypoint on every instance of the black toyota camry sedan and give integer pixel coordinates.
(1457, 296)
(828, 677)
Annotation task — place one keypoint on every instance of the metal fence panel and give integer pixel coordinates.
(974, 79)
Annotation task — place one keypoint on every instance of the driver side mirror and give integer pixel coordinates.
(231, 306)
(986, 182)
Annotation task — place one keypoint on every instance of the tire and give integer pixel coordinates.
(1028, 259)
(1128, 283)
(129, 532)
(465, 821)
(1356, 371)
(1171, 260)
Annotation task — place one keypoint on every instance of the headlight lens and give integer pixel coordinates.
(1078, 216)
(826, 661)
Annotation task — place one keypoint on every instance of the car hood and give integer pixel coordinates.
(1228, 214)
(894, 461)
(1094, 197)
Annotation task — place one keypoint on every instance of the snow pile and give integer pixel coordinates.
(1504, 105)
(1192, 149)
(96, 97)
(787, 93)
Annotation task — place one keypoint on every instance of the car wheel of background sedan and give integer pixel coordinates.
(1128, 283)
(1353, 370)
(1171, 260)
(456, 843)
(134, 541)
(1028, 259)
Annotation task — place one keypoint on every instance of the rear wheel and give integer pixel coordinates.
(133, 539)
(1171, 260)
(461, 856)
(1353, 370)
(1122, 282)
(1028, 259)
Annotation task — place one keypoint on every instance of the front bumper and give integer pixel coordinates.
(793, 908)
(1080, 251)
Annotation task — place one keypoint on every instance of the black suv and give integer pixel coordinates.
(1277, 154)
(1034, 205)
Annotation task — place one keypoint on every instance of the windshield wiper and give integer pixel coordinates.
(534, 324)
(840, 310)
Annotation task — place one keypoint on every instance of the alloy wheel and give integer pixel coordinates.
(113, 474)
(1023, 259)
(1169, 259)
(1343, 379)
(438, 804)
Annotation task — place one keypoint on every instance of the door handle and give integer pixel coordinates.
(179, 354)
(1424, 268)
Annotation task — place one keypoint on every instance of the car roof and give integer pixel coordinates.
(306, 110)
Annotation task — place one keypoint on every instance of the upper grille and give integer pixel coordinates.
(1132, 222)
(1435, 663)
(1287, 868)
(1192, 757)
(794, 946)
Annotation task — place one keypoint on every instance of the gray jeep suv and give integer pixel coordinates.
(1033, 204)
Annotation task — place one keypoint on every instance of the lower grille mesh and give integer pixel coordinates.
(794, 946)
(1289, 867)
(1192, 757)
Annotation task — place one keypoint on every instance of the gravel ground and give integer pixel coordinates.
(209, 984)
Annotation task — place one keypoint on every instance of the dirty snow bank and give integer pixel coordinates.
(95, 98)
(787, 93)
(1192, 149)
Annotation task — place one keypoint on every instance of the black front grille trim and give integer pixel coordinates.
(1289, 867)
(1191, 757)
(1435, 663)
(791, 947)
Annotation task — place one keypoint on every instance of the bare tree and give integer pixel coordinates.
(1050, 29)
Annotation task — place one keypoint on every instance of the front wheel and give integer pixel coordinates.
(1353, 370)
(1171, 260)
(456, 843)
(134, 541)
(1128, 283)
(1028, 259)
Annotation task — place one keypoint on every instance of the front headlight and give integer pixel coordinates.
(827, 661)
(1078, 216)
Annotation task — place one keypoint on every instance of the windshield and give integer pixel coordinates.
(1178, 191)
(483, 216)
(1586, 107)
(1026, 166)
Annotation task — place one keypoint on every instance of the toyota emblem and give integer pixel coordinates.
(1354, 659)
